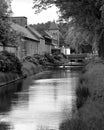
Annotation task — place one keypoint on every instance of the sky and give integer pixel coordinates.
(24, 8)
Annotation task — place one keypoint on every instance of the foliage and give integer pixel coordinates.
(40, 27)
(9, 63)
(63, 27)
(46, 59)
(86, 14)
(82, 94)
(77, 36)
(73, 124)
(7, 35)
(79, 124)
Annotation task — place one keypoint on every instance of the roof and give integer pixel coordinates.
(35, 32)
(26, 33)
(49, 35)
(53, 26)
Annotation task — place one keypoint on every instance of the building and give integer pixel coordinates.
(41, 45)
(48, 42)
(27, 44)
(55, 34)
(54, 31)
(31, 41)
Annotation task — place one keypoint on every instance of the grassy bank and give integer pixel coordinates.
(90, 99)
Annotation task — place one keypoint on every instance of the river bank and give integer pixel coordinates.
(90, 99)
(11, 69)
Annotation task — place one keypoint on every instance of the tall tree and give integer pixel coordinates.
(87, 14)
(7, 35)
(76, 37)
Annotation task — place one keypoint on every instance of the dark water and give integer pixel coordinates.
(38, 104)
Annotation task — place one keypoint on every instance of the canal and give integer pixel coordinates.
(39, 102)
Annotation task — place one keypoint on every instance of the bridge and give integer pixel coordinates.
(76, 57)
(73, 60)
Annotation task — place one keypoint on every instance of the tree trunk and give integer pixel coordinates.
(101, 45)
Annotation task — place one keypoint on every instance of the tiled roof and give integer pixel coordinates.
(35, 32)
(53, 26)
(26, 33)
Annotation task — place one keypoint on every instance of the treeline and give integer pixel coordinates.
(63, 28)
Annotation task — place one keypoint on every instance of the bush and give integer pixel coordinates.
(9, 63)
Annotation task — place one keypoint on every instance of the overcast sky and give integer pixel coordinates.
(24, 8)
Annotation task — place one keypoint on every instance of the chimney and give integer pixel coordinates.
(22, 21)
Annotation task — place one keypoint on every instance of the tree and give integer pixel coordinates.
(7, 35)
(76, 37)
(63, 27)
(40, 27)
(86, 14)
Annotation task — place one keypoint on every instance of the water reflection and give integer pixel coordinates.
(7, 95)
(40, 104)
(5, 126)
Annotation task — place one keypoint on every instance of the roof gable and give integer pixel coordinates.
(26, 33)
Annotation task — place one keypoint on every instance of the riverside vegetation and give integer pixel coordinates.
(90, 99)
(11, 68)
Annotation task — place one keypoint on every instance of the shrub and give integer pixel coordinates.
(9, 63)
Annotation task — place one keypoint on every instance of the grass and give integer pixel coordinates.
(73, 124)
(82, 93)
(79, 124)
(90, 99)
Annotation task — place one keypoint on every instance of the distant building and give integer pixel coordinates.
(54, 31)
(48, 41)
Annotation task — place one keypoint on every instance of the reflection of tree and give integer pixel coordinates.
(4, 126)
(7, 95)
(43, 128)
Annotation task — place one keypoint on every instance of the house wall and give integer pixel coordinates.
(41, 47)
(32, 47)
(48, 48)
(27, 48)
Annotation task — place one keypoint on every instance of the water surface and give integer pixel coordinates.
(37, 104)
